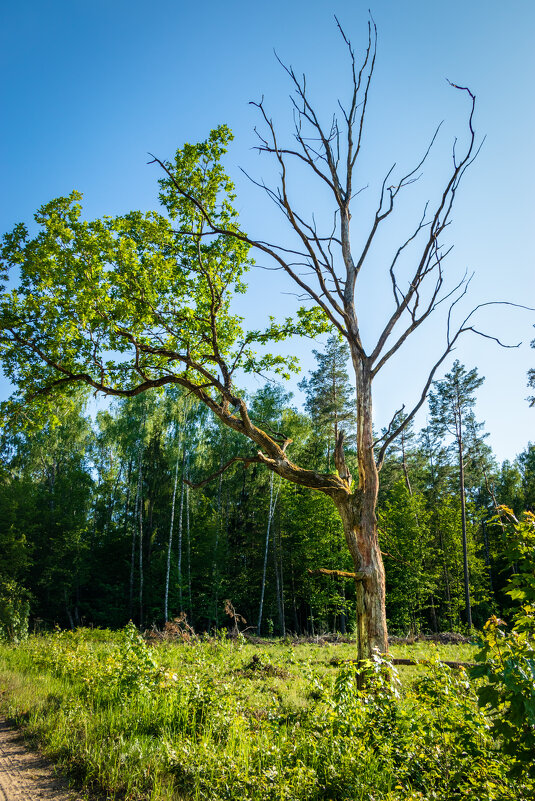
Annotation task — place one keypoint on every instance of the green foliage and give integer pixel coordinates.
(14, 611)
(141, 298)
(145, 300)
(411, 579)
(213, 719)
(507, 663)
(99, 285)
(506, 660)
(452, 400)
(45, 499)
(520, 554)
(525, 463)
(126, 668)
(330, 397)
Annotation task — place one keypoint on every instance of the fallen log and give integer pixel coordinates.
(409, 662)
(322, 571)
(454, 665)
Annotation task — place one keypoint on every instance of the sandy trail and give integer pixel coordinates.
(24, 774)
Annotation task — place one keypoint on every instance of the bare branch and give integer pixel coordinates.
(339, 459)
(271, 251)
(451, 341)
(397, 431)
(390, 426)
(245, 460)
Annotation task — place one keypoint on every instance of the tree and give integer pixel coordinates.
(329, 395)
(526, 464)
(135, 302)
(45, 524)
(451, 403)
(406, 535)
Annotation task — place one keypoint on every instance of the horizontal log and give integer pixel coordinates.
(322, 571)
(454, 665)
(408, 662)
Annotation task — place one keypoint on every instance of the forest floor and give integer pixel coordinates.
(24, 774)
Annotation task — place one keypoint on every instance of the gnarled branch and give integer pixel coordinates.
(245, 460)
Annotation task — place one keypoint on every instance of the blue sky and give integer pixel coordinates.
(90, 87)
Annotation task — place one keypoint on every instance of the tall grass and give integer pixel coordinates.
(219, 719)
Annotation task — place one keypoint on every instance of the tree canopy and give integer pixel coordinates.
(132, 302)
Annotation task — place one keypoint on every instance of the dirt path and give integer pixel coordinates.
(24, 774)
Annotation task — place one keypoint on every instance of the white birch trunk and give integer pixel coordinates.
(170, 543)
(180, 519)
(272, 505)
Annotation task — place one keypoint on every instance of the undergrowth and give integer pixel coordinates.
(221, 719)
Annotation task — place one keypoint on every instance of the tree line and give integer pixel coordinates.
(109, 519)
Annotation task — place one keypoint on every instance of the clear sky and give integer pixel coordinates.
(88, 88)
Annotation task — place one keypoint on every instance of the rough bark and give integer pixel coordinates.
(357, 511)
(360, 529)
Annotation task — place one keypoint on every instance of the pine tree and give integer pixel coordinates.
(451, 403)
(330, 398)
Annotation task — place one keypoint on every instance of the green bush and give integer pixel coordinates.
(220, 722)
(506, 660)
(14, 611)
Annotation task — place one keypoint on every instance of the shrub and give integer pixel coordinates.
(506, 659)
(14, 611)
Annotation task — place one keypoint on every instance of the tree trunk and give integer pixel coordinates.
(343, 612)
(360, 527)
(487, 555)
(188, 539)
(266, 551)
(127, 502)
(404, 467)
(140, 542)
(446, 574)
(170, 542)
(434, 614)
(277, 564)
(67, 609)
(215, 569)
(294, 604)
(134, 535)
(468, 606)
(180, 529)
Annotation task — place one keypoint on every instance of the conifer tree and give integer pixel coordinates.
(330, 398)
(451, 403)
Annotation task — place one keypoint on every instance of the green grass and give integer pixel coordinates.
(218, 719)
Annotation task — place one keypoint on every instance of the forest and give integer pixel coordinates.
(243, 683)
(107, 518)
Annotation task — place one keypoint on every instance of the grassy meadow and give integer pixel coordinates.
(221, 718)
